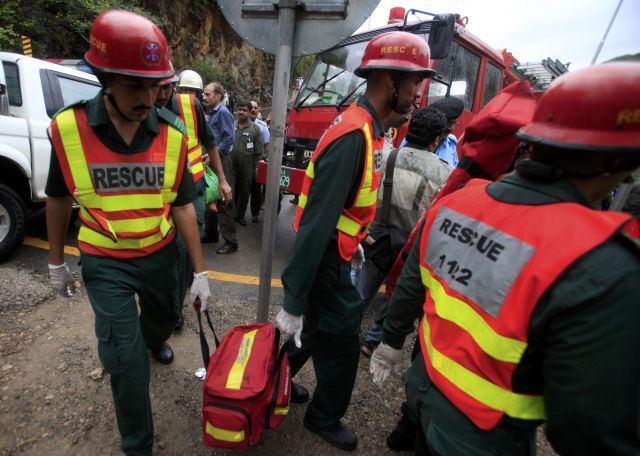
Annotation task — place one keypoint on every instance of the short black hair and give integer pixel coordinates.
(243, 104)
(452, 107)
(425, 126)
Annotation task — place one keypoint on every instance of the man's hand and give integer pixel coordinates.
(205, 159)
(62, 280)
(357, 260)
(384, 360)
(200, 289)
(225, 190)
(290, 326)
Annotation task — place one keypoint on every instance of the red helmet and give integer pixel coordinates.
(397, 51)
(122, 42)
(173, 79)
(596, 108)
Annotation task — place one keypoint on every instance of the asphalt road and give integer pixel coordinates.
(228, 274)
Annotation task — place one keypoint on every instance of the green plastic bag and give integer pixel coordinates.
(212, 192)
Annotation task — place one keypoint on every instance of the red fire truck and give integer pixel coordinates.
(466, 68)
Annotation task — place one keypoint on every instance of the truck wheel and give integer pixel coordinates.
(13, 221)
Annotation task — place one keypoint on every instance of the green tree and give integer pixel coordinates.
(57, 28)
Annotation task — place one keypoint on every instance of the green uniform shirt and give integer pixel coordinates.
(338, 173)
(584, 339)
(205, 135)
(248, 140)
(98, 119)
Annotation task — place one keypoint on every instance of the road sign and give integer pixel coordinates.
(26, 46)
(320, 24)
(283, 28)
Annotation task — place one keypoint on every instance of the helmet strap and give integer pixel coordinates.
(397, 79)
(113, 102)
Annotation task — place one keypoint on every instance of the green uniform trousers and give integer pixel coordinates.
(243, 170)
(185, 270)
(124, 336)
(444, 430)
(330, 338)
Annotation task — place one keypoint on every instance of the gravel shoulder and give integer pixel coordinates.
(55, 400)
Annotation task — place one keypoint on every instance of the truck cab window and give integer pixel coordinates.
(491, 83)
(463, 65)
(13, 83)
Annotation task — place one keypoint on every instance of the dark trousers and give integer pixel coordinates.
(226, 210)
(243, 170)
(330, 339)
(124, 337)
(256, 197)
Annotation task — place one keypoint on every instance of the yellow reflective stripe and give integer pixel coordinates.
(281, 411)
(171, 163)
(195, 155)
(457, 311)
(197, 168)
(189, 120)
(515, 405)
(138, 225)
(302, 200)
(122, 202)
(70, 137)
(311, 171)
(94, 238)
(348, 226)
(224, 434)
(366, 197)
(234, 380)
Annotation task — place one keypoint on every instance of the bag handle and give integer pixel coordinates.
(204, 346)
(387, 184)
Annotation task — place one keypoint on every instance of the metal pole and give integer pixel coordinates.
(286, 19)
(604, 38)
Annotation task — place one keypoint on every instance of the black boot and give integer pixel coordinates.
(403, 437)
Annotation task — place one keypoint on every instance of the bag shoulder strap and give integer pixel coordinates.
(204, 346)
(387, 185)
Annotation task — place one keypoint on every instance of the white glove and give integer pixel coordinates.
(357, 260)
(384, 360)
(290, 326)
(62, 280)
(200, 289)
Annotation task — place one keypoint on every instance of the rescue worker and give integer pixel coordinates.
(530, 294)
(190, 82)
(188, 108)
(125, 164)
(337, 203)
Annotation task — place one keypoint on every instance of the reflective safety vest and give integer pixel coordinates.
(188, 116)
(355, 220)
(485, 265)
(125, 199)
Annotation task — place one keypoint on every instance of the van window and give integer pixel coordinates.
(74, 90)
(13, 83)
(464, 66)
(491, 83)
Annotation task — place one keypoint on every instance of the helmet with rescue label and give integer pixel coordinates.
(396, 51)
(189, 79)
(592, 109)
(122, 42)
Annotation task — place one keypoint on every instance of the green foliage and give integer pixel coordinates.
(301, 68)
(211, 71)
(626, 58)
(57, 28)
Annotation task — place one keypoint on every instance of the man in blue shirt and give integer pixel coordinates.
(452, 108)
(221, 123)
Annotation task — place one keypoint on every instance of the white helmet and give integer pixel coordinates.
(190, 79)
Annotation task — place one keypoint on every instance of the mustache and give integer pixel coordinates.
(141, 106)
